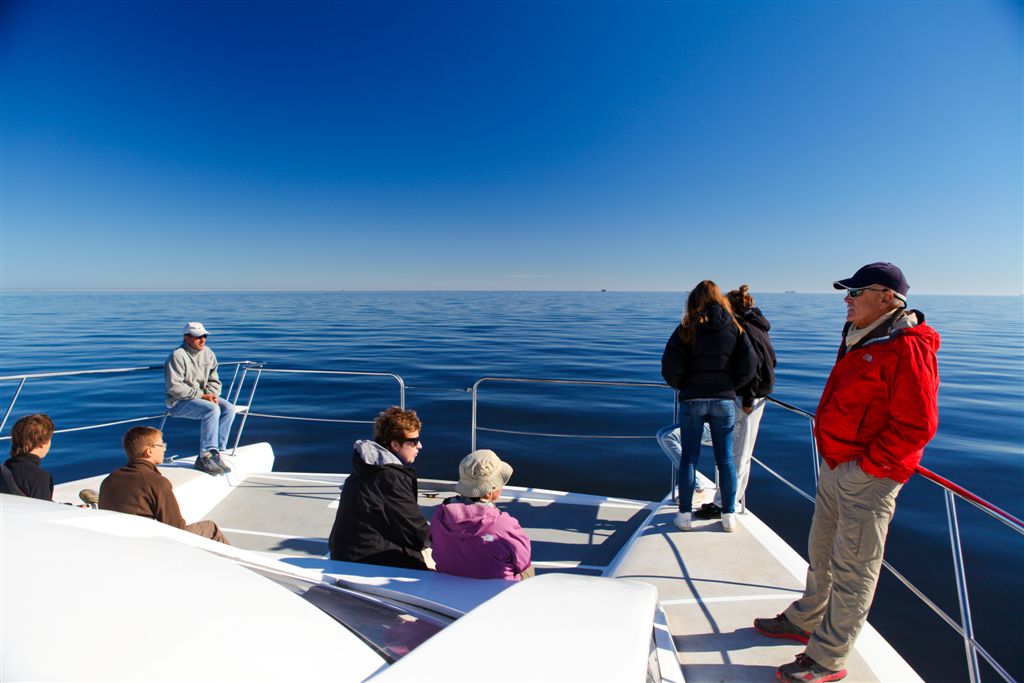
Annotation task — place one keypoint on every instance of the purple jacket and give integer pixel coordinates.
(478, 541)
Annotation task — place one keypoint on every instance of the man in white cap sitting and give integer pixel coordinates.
(473, 538)
(193, 391)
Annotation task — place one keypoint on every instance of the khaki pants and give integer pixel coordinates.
(852, 512)
(207, 529)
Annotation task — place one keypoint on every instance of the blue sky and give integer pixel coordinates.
(582, 145)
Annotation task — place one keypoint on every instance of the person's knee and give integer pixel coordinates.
(195, 409)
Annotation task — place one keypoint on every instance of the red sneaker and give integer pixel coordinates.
(781, 627)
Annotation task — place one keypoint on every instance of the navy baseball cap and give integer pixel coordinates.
(882, 274)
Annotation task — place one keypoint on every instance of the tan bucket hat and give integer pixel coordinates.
(481, 472)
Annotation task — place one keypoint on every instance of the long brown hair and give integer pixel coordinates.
(740, 299)
(697, 304)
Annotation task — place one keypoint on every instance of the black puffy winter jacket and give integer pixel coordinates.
(379, 520)
(720, 360)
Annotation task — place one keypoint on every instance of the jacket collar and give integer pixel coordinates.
(372, 453)
(190, 350)
(30, 458)
(886, 328)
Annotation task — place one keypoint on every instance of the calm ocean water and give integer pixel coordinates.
(441, 342)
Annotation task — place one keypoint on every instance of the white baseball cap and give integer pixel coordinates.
(195, 330)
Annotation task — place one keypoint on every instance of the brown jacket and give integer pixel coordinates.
(138, 488)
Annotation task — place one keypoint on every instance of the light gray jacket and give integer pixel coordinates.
(189, 374)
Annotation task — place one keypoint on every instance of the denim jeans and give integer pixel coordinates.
(217, 419)
(721, 417)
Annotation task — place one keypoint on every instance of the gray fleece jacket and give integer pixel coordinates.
(189, 374)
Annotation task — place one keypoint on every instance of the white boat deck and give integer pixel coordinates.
(711, 584)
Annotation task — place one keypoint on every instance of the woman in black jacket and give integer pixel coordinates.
(379, 519)
(706, 359)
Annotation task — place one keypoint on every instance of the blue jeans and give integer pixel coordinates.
(721, 417)
(217, 419)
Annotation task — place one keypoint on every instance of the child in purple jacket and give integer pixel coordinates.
(473, 538)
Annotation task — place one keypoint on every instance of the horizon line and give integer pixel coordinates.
(113, 290)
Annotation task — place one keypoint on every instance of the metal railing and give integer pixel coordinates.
(951, 490)
(474, 427)
(238, 380)
(261, 370)
(23, 380)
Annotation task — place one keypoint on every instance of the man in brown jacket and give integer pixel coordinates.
(138, 488)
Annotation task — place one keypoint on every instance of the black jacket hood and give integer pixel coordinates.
(753, 316)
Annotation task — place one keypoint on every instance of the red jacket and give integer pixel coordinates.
(879, 406)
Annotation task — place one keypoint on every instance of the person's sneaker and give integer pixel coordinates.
(709, 511)
(806, 670)
(781, 627)
(683, 521)
(219, 461)
(205, 463)
(728, 521)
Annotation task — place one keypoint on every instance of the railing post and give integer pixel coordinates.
(961, 588)
(234, 376)
(472, 426)
(245, 415)
(10, 407)
(674, 483)
(816, 460)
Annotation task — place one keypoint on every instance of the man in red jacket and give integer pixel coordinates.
(876, 414)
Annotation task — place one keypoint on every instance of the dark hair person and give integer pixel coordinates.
(23, 474)
(706, 359)
(750, 398)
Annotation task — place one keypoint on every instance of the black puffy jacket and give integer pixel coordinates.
(379, 520)
(757, 327)
(719, 361)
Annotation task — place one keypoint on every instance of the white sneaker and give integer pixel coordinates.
(683, 521)
(729, 521)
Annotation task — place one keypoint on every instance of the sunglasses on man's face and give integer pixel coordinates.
(411, 442)
(854, 293)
